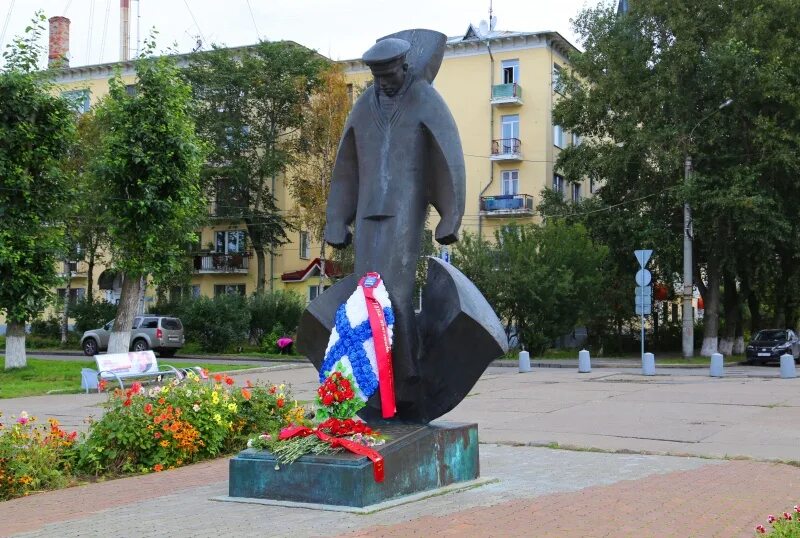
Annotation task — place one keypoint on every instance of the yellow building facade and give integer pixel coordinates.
(500, 88)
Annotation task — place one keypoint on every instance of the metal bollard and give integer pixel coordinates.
(584, 362)
(717, 365)
(649, 364)
(788, 370)
(524, 361)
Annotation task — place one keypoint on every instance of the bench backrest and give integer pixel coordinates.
(133, 362)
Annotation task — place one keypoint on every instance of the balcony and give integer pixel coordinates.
(222, 263)
(506, 149)
(507, 205)
(506, 94)
(74, 269)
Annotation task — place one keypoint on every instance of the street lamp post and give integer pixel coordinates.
(688, 236)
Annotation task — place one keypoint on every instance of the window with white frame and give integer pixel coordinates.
(576, 192)
(229, 289)
(558, 136)
(576, 139)
(510, 71)
(305, 246)
(558, 183)
(230, 242)
(510, 181)
(509, 129)
(78, 100)
(557, 78)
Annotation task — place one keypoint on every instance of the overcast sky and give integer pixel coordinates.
(340, 29)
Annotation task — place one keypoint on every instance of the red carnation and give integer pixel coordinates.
(327, 399)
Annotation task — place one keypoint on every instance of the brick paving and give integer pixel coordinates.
(724, 501)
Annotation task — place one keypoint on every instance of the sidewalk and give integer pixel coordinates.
(539, 492)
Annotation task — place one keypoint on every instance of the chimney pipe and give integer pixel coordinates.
(58, 50)
(124, 30)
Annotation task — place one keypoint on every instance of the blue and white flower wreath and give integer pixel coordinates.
(351, 348)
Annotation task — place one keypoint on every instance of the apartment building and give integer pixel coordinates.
(500, 87)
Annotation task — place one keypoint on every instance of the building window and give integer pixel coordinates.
(509, 127)
(313, 291)
(558, 136)
(576, 139)
(75, 294)
(230, 242)
(305, 246)
(576, 192)
(591, 186)
(229, 289)
(558, 183)
(510, 181)
(180, 292)
(78, 100)
(557, 78)
(130, 89)
(510, 71)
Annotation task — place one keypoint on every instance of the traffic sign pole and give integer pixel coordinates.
(643, 299)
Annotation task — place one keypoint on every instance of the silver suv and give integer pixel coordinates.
(161, 334)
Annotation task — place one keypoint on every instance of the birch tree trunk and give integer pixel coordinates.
(15, 346)
(65, 313)
(120, 339)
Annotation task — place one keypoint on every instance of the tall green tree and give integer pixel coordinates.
(36, 130)
(150, 164)
(252, 105)
(645, 94)
(539, 278)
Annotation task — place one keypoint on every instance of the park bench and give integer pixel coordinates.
(122, 366)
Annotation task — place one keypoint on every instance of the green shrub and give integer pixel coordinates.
(33, 457)
(271, 311)
(164, 427)
(91, 315)
(216, 324)
(47, 328)
(269, 342)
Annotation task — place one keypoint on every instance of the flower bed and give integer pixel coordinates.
(785, 526)
(143, 430)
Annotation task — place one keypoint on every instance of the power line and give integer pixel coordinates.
(91, 26)
(105, 31)
(258, 34)
(195, 21)
(8, 18)
(66, 8)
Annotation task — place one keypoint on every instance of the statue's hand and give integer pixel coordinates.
(446, 233)
(337, 236)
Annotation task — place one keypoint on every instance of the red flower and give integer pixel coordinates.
(127, 402)
(770, 519)
(161, 401)
(101, 386)
(228, 380)
(280, 402)
(157, 435)
(136, 388)
(273, 389)
(787, 516)
(148, 408)
(327, 399)
(246, 394)
(761, 529)
(72, 436)
(218, 378)
(158, 467)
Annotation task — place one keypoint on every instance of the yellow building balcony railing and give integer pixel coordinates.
(506, 205)
(238, 262)
(506, 149)
(506, 94)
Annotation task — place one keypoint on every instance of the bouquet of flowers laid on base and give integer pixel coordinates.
(336, 426)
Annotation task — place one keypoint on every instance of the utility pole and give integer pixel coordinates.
(688, 236)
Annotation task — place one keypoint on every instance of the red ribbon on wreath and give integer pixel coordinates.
(340, 429)
(383, 349)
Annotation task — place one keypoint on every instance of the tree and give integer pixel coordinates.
(36, 129)
(252, 105)
(539, 278)
(150, 165)
(645, 93)
(310, 178)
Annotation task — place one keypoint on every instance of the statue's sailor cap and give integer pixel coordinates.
(386, 54)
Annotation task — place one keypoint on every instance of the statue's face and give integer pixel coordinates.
(390, 81)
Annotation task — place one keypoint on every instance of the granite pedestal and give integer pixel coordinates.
(417, 458)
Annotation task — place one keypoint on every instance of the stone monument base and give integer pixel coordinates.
(416, 459)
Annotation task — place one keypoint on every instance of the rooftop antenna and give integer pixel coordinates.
(491, 24)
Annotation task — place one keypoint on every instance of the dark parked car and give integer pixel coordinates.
(770, 344)
(161, 334)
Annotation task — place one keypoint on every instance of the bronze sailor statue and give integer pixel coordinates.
(401, 153)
